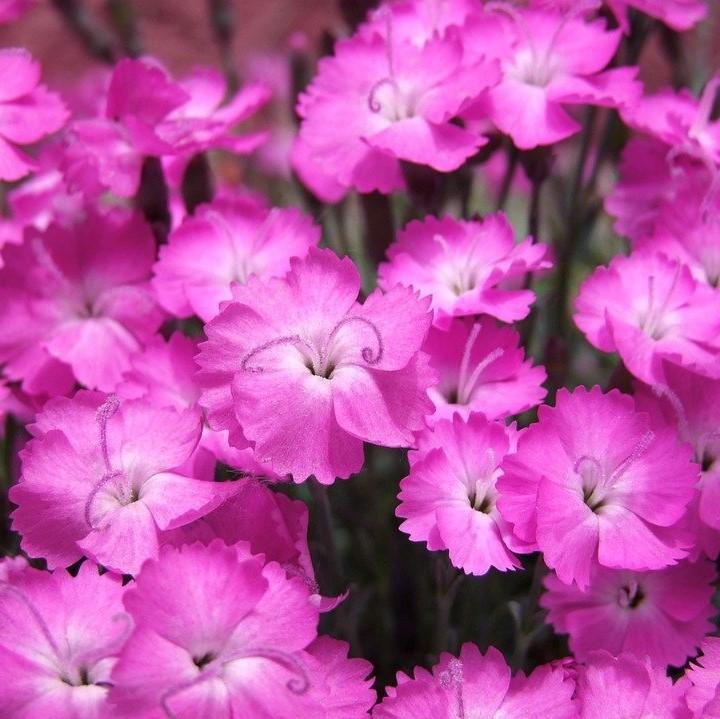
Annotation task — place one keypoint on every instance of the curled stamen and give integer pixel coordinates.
(366, 352)
(94, 491)
(298, 684)
(452, 678)
(373, 103)
(289, 339)
(467, 389)
(7, 588)
(640, 448)
(102, 415)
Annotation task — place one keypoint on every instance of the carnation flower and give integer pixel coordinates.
(482, 368)
(301, 370)
(465, 266)
(59, 638)
(627, 687)
(98, 479)
(382, 99)
(449, 498)
(229, 643)
(703, 694)
(648, 307)
(549, 59)
(478, 685)
(690, 404)
(593, 482)
(678, 14)
(77, 302)
(662, 614)
(28, 111)
(223, 242)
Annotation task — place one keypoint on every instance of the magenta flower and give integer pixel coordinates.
(678, 14)
(98, 479)
(229, 644)
(301, 370)
(465, 266)
(550, 59)
(478, 685)
(224, 242)
(28, 111)
(11, 10)
(663, 614)
(77, 302)
(648, 307)
(380, 100)
(627, 688)
(59, 639)
(703, 694)
(592, 482)
(690, 404)
(483, 369)
(449, 498)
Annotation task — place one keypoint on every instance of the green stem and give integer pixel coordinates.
(510, 170)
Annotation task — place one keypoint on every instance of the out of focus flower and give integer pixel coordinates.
(466, 267)
(306, 374)
(28, 111)
(593, 482)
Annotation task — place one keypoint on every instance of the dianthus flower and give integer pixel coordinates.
(481, 368)
(301, 370)
(647, 308)
(77, 302)
(223, 242)
(478, 685)
(59, 639)
(627, 687)
(703, 675)
(592, 481)
(449, 498)
(28, 111)
(663, 614)
(147, 113)
(380, 100)
(549, 59)
(677, 14)
(465, 266)
(690, 404)
(234, 642)
(99, 479)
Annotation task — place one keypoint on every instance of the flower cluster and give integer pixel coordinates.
(187, 365)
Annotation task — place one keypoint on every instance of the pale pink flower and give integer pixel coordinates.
(306, 374)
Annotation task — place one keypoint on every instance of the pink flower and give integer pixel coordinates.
(592, 482)
(662, 614)
(231, 643)
(678, 14)
(28, 111)
(549, 59)
(59, 639)
(478, 685)
(380, 100)
(648, 307)
(147, 113)
(690, 404)
(11, 10)
(224, 242)
(482, 368)
(98, 479)
(77, 302)
(703, 694)
(627, 688)
(464, 266)
(449, 498)
(301, 370)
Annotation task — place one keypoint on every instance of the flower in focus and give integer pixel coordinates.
(703, 694)
(306, 374)
(593, 482)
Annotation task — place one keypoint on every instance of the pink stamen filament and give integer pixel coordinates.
(452, 678)
(102, 415)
